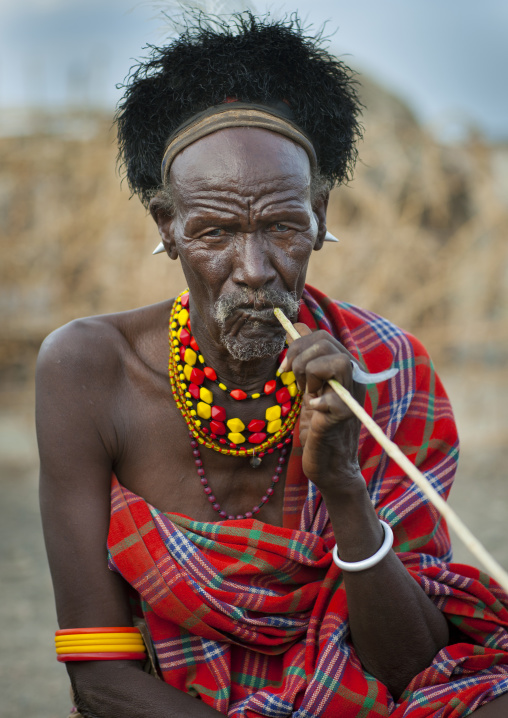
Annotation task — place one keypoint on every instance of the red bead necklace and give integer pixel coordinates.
(213, 500)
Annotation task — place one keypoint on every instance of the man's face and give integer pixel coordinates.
(244, 229)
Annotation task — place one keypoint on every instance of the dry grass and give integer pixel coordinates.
(423, 244)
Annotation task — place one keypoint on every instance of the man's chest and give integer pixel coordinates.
(159, 461)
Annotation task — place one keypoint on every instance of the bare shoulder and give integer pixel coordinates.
(100, 345)
(81, 345)
(87, 371)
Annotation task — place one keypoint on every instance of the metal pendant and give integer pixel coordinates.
(255, 461)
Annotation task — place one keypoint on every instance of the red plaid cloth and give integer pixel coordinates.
(252, 618)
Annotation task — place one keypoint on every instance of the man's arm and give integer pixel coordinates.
(395, 627)
(77, 376)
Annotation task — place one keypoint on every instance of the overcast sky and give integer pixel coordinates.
(447, 58)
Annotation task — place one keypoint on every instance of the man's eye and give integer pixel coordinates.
(213, 233)
(279, 227)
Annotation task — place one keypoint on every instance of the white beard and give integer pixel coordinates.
(245, 350)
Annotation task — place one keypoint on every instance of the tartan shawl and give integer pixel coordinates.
(252, 618)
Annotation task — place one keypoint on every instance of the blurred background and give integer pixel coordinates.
(423, 240)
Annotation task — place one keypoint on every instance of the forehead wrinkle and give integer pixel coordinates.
(236, 201)
(243, 183)
(237, 161)
(205, 203)
(289, 199)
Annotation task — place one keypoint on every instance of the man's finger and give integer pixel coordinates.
(302, 330)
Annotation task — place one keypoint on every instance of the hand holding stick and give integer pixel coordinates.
(393, 451)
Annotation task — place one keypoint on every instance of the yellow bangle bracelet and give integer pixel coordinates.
(97, 639)
(100, 648)
(95, 636)
(104, 643)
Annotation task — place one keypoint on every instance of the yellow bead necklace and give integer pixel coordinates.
(195, 399)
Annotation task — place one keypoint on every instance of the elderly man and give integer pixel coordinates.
(247, 518)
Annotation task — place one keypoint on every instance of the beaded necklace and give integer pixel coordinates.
(212, 499)
(195, 400)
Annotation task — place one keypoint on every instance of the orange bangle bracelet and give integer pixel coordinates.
(113, 656)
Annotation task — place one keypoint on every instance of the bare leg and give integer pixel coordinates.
(498, 708)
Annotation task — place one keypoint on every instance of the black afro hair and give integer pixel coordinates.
(250, 59)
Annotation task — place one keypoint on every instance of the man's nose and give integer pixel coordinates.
(252, 266)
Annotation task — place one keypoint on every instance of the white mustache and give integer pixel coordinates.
(257, 304)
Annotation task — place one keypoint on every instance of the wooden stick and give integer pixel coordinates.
(393, 451)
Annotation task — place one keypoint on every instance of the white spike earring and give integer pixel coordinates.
(159, 248)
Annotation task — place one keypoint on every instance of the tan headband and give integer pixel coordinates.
(227, 116)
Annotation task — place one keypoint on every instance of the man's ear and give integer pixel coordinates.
(319, 208)
(164, 221)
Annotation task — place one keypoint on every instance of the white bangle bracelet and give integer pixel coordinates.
(372, 560)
